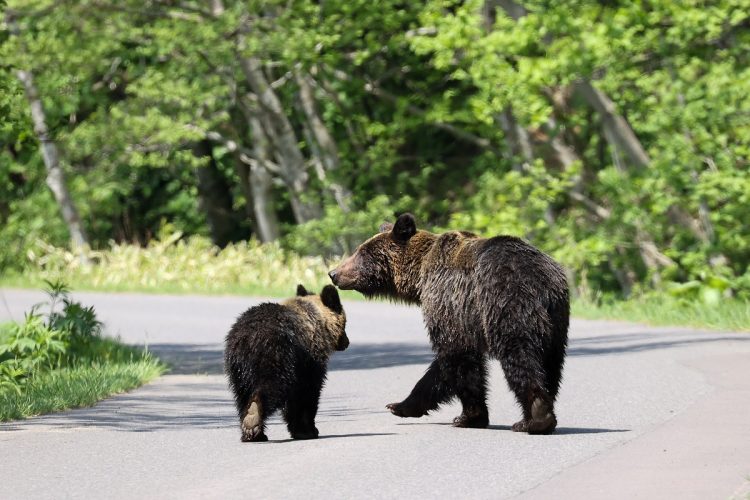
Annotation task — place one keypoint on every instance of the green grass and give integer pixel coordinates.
(103, 367)
(729, 315)
(77, 386)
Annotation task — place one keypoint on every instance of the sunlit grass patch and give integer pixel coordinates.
(77, 386)
(175, 265)
(730, 315)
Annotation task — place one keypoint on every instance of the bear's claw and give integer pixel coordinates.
(542, 421)
(402, 410)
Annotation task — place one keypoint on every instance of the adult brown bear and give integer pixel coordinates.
(499, 297)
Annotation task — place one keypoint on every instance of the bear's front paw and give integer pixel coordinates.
(404, 410)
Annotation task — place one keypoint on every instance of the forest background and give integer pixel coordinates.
(613, 135)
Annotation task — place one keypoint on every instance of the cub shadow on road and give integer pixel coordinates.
(173, 403)
(189, 359)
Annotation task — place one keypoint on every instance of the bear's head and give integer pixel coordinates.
(377, 267)
(328, 305)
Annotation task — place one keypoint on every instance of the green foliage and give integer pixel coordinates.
(31, 347)
(338, 232)
(57, 359)
(421, 101)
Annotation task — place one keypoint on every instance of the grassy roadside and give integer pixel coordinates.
(77, 386)
(728, 315)
(176, 265)
(58, 359)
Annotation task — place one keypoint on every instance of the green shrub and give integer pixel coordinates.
(56, 359)
(339, 232)
(45, 342)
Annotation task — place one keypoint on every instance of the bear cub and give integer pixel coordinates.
(276, 358)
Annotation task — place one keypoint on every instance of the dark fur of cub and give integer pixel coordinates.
(276, 358)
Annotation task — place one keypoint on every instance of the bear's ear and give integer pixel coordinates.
(302, 291)
(385, 227)
(405, 228)
(330, 298)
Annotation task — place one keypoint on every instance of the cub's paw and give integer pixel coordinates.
(305, 435)
(257, 438)
(404, 410)
(252, 425)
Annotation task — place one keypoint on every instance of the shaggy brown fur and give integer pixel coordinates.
(499, 297)
(276, 357)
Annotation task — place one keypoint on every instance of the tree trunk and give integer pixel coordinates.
(325, 147)
(618, 130)
(518, 138)
(281, 134)
(51, 156)
(260, 184)
(215, 198)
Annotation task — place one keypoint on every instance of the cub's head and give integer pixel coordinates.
(375, 267)
(330, 309)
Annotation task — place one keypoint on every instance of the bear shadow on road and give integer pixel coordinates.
(189, 359)
(558, 431)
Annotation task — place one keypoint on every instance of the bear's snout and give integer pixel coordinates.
(332, 274)
(343, 343)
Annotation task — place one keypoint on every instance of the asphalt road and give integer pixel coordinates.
(643, 413)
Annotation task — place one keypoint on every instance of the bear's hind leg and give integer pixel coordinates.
(526, 378)
(253, 421)
(302, 406)
(468, 373)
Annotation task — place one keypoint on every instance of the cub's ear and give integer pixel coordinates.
(386, 227)
(330, 298)
(405, 228)
(302, 291)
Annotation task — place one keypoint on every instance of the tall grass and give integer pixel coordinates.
(178, 265)
(729, 315)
